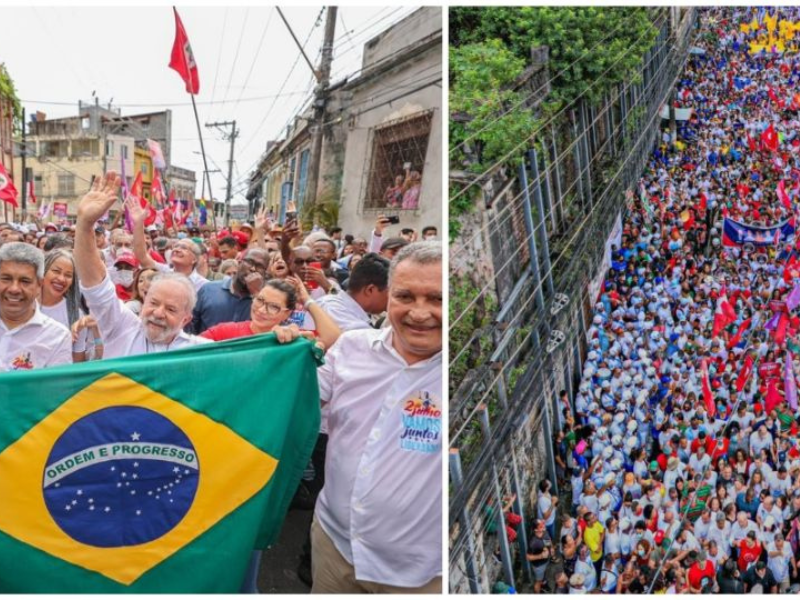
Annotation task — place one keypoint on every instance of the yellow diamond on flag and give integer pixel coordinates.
(119, 478)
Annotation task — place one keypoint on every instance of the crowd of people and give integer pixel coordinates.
(679, 459)
(86, 292)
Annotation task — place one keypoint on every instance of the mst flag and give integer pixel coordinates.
(154, 473)
(8, 192)
(182, 59)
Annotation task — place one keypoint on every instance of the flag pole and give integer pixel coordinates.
(205, 164)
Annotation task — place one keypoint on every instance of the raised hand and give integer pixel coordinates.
(263, 222)
(300, 288)
(135, 209)
(99, 198)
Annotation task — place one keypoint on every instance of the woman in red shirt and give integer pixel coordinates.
(749, 551)
(271, 307)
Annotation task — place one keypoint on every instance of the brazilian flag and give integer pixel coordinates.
(154, 473)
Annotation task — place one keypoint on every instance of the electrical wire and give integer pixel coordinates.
(552, 119)
(576, 180)
(535, 92)
(646, 130)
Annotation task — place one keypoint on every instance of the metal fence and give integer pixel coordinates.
(568, 196)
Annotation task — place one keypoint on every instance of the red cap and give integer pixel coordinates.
(128, 259)
(223, 233)
(757, 407)
(659, 537)
(241, 238)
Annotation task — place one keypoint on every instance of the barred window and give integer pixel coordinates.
(66, 184)
(395, 174)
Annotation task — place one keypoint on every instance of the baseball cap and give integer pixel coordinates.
(128, 259)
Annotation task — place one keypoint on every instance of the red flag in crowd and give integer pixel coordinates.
(31, 194)
(739, 332)
(8, 193)
(751, 143)
(783, 196)
(744, 374)
(724, 315)
(708, 396)
(182, 59)
(769, 138)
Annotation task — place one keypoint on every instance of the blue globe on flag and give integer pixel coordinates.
(120, 476)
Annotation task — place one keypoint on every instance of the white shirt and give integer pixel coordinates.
(346, 312)
(123, 331)
(58, 312)
(545, 504)
(41, 342)
(779, 565)
(195, 277)
(381, 504)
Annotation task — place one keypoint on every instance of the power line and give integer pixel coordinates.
(170, 104)
(219, 54)
(645, 130)
(539, 89)
(283, 85)
(236, 56)
(255, 57)
(452, 324)
(550, 120)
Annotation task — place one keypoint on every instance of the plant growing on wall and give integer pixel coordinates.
(592, 49)
(8, 91)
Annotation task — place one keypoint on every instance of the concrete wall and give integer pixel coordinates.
(369, 114)
(416, 26)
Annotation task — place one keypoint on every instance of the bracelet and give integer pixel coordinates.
(98, 341)
(308, 303)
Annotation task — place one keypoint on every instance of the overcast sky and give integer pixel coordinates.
(245, 56)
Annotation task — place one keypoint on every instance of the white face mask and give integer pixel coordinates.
(123, 278)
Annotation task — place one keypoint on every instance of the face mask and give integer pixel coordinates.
(181, 235)
(123, 278)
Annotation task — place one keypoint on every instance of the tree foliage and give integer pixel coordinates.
(482, 75)
(7, 90)
(568, 32)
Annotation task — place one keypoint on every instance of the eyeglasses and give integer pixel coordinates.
(255, 264)
(270, 307)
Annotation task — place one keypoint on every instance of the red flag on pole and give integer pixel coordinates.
(182, 59)
(8, 193)
(783, 196)
(770, 139)
(31, 194)
(708, 396)
(744, 374)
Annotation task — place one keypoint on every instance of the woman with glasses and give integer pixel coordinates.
(271, 307)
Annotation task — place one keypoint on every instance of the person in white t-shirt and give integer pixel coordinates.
(185, 254)
(60, 300)
(170, 299)
(29, 339)
(378, 521)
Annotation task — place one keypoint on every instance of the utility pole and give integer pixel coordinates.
(320, 100)
(232, 138)
(24, 170)
(323, 76)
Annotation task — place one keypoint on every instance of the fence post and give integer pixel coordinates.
(457, 477)
(529, 229)
(537, 197)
